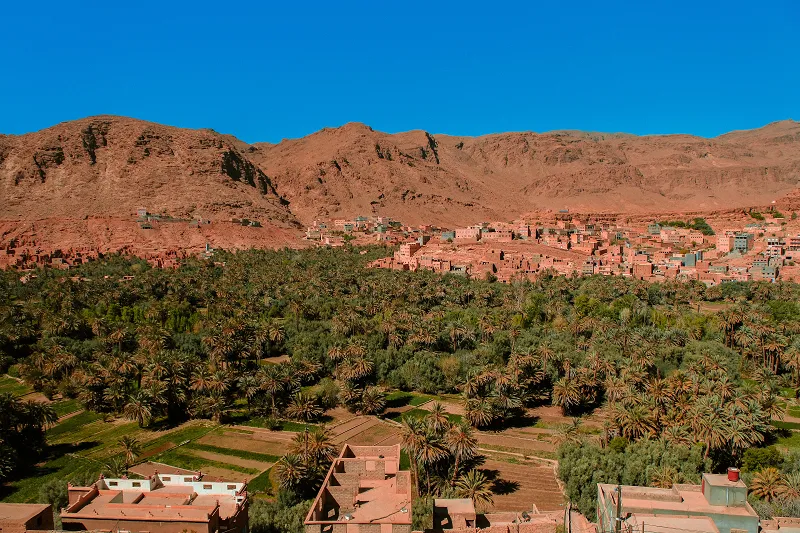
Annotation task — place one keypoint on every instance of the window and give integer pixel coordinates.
(231, 487)
(188, 479)
(136, 484)
(112, 483)
(166, 478)
(206, 487)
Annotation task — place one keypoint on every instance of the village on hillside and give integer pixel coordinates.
(761, 249)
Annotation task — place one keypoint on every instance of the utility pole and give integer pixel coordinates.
(618, 518)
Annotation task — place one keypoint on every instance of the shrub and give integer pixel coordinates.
(757, 459)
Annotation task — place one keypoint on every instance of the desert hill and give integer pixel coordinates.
(416, 176)
(111, 165)
(80, 183)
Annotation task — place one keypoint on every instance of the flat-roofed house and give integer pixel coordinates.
(468, 234)
(161, 503)
(22, 517)
(718, 505)
(364, 492)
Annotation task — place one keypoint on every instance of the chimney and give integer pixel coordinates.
(733, 474)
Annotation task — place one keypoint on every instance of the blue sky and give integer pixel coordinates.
(264, 71)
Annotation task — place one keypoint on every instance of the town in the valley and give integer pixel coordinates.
(752, 246)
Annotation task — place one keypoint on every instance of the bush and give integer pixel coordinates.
(276, 517)
(582, 466)
(757, 459)
(55, 493)
(422, 518)
(327, 393)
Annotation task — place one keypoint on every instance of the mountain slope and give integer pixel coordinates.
(79, 184)
(110, 166)
(419, 177)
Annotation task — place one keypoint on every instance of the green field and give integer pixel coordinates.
(183, 459)
(65, 407)
(282, 425)
(242, 454)
(11, 385)
(81, 445)
(401, 399)
(420, 413)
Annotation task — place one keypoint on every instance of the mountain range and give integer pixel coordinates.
(107, 167)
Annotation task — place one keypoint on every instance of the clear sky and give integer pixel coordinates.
(268, 70)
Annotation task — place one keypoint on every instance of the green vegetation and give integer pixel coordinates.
(22, 433)
(59, 470)
(401, 398)
(281, 516)
(66, 407)
(756, 215)
(276, 425)
(647, 463)
(167, 346)
(242, 454)
(261, 483)
(698, 224)
(9, 385)
(184, 459)
(72, 424)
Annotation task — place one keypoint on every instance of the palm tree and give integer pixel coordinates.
(412, 433)
(320, 446)
(546, 354)
(479, 412)
(373, 401)
(792, 362)
(303, 407)
(791, 486)
(567, 394)
(477, 487)
(359, 368)
(665, 477)
(290, 470)
(429, 452)
(767, 484)
(138, 408)
(437, 418)
(463, 445)
(115, 467)
(634, 422)
(569, 433)
(131, 448)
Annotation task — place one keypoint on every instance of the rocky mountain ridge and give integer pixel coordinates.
(110, 166)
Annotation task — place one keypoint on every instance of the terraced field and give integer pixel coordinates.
(14, 387)
(520, 486)
(366, 430)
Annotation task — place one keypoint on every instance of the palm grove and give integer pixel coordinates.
(675, 382)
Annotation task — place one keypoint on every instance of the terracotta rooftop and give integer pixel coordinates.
(20, 512)
(672, 524)
(364, 486)
(680, 498)
(162, 497)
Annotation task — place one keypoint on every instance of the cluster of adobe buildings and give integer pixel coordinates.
(577, 245)
(31, 257)
(25, 253)
(367, 491)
